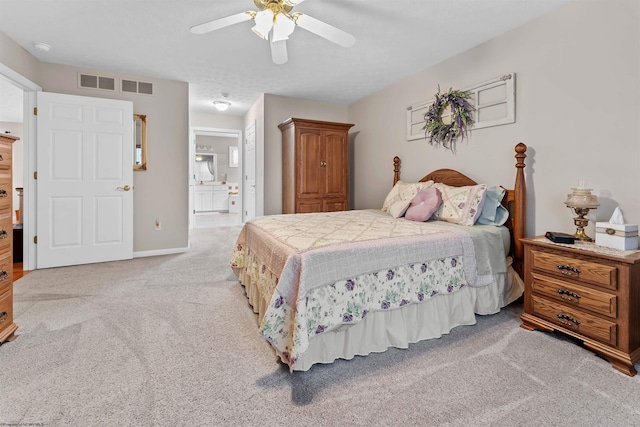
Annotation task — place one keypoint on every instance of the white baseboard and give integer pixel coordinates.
(160, 252)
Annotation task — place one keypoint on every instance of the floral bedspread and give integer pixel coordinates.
(324, 271)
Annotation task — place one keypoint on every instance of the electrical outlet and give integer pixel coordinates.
(158, 225)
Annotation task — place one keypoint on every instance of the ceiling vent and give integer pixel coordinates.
(133, 86)
(89, 81)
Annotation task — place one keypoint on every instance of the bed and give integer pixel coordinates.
(334, 285)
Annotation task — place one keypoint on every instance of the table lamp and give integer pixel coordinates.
(581, 201)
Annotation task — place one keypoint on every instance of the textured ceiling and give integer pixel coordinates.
(394, 39)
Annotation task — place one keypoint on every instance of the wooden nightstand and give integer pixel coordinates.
(592, 296)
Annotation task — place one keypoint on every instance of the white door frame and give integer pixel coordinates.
(200, 130)
(29, 149)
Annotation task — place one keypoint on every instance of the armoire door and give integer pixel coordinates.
(335, 164)
(309, 172)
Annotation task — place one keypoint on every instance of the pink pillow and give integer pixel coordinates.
(425, 203)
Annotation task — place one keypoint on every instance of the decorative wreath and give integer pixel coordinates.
(447, 134)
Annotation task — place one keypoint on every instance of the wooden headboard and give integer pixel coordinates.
(514, 200)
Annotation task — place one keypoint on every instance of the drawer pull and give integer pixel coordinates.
(3, 193)
(3, 275)
(4, 316)
(568, 270)
(564, 319)
(3, 234)
(1, 158)
(568, 295)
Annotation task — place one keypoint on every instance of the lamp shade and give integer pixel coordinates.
(282, 28)
(582, 198)
(264, 23)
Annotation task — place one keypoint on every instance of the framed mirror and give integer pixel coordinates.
(139, 142)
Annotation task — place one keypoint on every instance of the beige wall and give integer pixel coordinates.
(577, 108)
(19, 60)
(219, 121)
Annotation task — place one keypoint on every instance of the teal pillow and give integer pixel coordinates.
(493, 213)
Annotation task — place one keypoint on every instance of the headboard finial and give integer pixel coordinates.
(521, 149)
(396, 169)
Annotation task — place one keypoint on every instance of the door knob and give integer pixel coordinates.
(125, 188)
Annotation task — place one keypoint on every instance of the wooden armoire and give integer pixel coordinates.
(315, 166)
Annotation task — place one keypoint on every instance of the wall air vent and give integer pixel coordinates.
(89, 81)
(133, 86)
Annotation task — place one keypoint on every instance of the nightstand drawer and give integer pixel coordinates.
(576, 269)
(575, 320)
(574, 295)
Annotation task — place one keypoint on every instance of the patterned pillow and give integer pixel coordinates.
(460, 205)
(398, 208)
(404, 191)
(423, 206)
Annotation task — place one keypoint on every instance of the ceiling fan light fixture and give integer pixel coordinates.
(221, 105)
(264, 23)
(282, 28)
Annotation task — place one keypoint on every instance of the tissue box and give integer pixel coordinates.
(617, 236)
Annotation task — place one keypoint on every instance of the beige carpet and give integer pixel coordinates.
(171, 341)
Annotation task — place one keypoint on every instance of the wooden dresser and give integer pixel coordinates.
(7, 327)
(315, 166)
(591, 296)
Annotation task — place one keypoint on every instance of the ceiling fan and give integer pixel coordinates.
(275, 22)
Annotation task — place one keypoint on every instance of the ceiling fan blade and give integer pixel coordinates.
(279, 52)
(324, 30)
(216, 24)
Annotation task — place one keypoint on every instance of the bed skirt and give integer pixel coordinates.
(400, 327)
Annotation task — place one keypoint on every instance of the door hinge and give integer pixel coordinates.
(35, 240)
(35, 111)
(35, 175)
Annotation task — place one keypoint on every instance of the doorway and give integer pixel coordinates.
(215, 172)
(20, 94)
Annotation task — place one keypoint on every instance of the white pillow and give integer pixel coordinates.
(399, 207)
(404, 191)
(460, 205)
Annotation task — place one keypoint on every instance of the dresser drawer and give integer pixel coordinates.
(574, 295)
(576, 320)
(5, 156)
(578, 269)
(6, 271)
(6, 308)
(5, 194)
(6, 230)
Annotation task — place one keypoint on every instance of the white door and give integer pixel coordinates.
(85, 180)
(249, 187)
